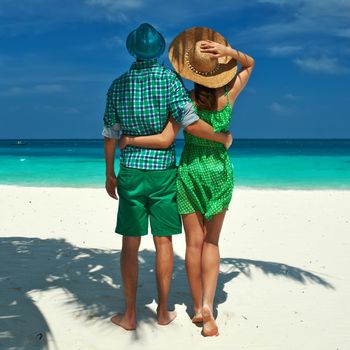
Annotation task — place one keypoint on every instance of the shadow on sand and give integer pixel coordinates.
(92, 281)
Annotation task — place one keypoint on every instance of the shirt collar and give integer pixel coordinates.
(144, 64)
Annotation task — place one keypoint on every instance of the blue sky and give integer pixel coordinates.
(58, 57)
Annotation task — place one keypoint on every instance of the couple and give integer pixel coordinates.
(149, 104)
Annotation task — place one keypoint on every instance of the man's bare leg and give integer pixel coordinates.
(164, 272)
(129, 271)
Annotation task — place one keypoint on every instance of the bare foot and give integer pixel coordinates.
(127, 323)
(198, 317)
(210, 327)
(164, 318)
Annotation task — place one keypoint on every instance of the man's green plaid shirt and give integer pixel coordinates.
(140, 101)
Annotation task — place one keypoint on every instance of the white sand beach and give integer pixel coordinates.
(284, 281)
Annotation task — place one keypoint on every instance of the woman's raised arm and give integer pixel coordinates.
(247, 64)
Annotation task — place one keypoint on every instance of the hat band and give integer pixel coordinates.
(195, 70)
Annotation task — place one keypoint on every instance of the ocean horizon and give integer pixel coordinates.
(258, 163)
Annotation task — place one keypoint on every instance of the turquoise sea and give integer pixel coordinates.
(306, 164)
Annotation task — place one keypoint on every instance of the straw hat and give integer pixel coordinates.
(200, 67)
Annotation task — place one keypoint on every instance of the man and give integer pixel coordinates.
(139, 103)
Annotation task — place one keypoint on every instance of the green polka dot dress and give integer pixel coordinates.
(205, 176)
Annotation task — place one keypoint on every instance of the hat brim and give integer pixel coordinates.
(185, 41)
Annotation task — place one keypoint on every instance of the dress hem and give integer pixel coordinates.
(207, 217)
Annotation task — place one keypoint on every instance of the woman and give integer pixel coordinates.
(205, 174)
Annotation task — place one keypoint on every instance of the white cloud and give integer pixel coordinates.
(57, 109)
(344, 33)
(275, 2)
(115, 41)
(284, 50)
(39, 73)
(278, 108)
(311, 25)
(114, 10)
(115, 5)
(164, 14)
(291, 97)
(286, 107)
(19, 17)
(40, 89)
(323, 65)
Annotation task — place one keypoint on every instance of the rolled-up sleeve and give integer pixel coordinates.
(111, 120)
(190, 115)
(112, 132)
(180, 105)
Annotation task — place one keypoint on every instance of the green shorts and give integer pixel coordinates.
(147, 194)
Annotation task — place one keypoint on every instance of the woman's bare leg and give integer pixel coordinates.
(195, 233)
(210, 271)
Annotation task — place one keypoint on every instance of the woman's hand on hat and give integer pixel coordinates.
(215, 49)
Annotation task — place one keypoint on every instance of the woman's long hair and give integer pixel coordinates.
(205, 97)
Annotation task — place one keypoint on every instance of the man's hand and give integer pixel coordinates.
(111, 184)
(229, 140)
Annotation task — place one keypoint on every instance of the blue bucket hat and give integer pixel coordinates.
(145, 42)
